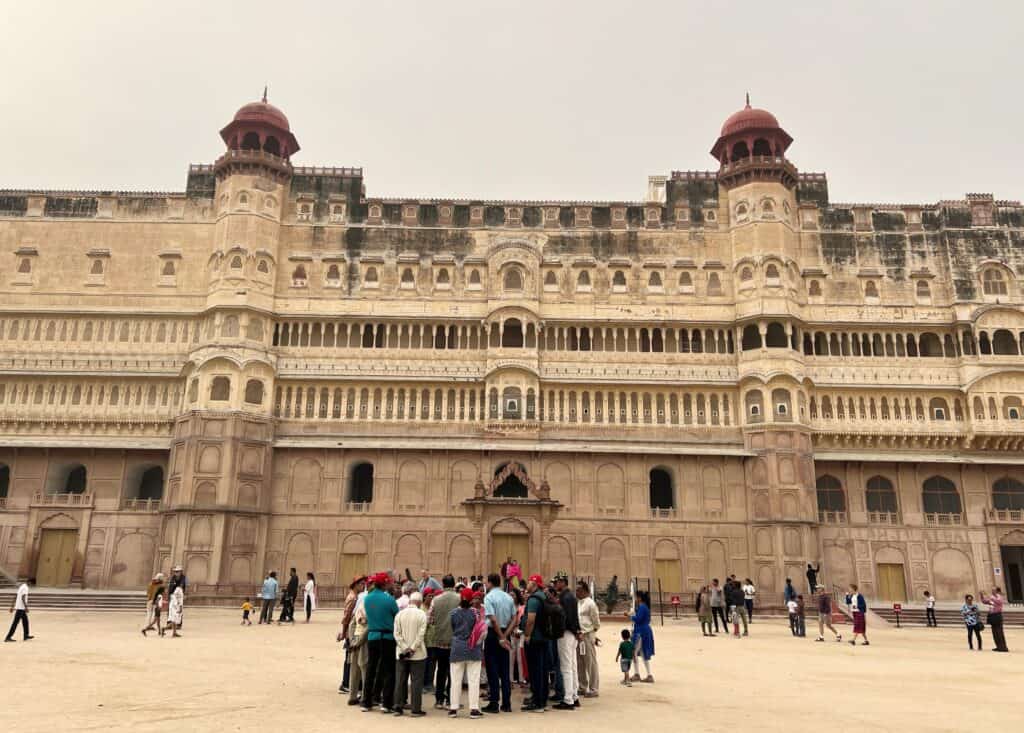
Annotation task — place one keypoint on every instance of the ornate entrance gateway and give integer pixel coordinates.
(513, 515)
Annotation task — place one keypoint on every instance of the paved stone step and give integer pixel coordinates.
(946, 617)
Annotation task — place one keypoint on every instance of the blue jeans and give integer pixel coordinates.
(555, 667)
(537, 664)
(498, 680)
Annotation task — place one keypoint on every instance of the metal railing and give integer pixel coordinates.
(1006, 515)
(884, 518)
(141, 505)
(832, 517)
(82, 500)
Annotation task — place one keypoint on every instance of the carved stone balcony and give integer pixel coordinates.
(141, 505)
(1006, 516)
(84, 501)
(358, 507)
(937, 519)
(663, 513)
(891, 518)
(832, 517)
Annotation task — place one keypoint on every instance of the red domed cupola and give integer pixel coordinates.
(261, 126)
(752, 140)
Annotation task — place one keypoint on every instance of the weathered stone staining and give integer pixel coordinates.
(732, 374)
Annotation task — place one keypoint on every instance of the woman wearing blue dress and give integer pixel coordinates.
(643, 636)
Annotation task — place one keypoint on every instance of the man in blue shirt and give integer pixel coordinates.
(381, 609)
(268, 595)
(501, 614)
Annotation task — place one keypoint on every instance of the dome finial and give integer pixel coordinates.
(265, 96)
(748, 98)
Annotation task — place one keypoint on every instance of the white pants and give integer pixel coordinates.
(567, 664)
(471, 670)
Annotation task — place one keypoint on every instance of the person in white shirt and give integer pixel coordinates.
(929, 609)
(410, 629)
(19, 607)
(794, 616)
(749, 591)
(309, 595)
(590, 622)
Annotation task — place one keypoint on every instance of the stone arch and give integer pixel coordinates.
(412, 484)
(408, 554)
(60, 520)
(244, 532)
(206, 494)
(763, 541)
(559, 478)
(299, 555)
(200, 531)
(209, 459)
(711, 482)
(248, 495)
(611, 559)
(715, 558)
(462, 559)
(240, 570)
(133, 561)
(560, 556)
(952, 574)
(611, 487)
(197, 569)
(463, 478)
(839, 566)
(307, 476)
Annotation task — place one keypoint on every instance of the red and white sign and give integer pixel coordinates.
(675, 600)
(897, 607)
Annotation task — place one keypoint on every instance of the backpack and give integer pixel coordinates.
(552, 621)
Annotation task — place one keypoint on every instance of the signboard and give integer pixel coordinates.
(675, 600)
(897, 607)
(997, 571)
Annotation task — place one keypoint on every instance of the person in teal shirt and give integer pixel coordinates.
(381, 609)
(268, 595)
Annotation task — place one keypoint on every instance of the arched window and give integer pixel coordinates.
(514, 279)
(272, 146)
(993, 282)
(168, 270)
(742, 210)
(551, 280)
(236, 263)
(924, 292)
(939, 496)
(831, 497)
(512, 334)
(814, 289)
(880, 495)
(1003, 342)
(775, 337)
(938, 408)
(151, 484)
(714, 284)
(1007, 494)
(371, 275)
(740, 151)
(97, 267)
(771, 274)
(254, 392)
(5, 480)
(583, 280)
(755, 406)
(662, 496)
(25, 266)
(299, 276)
(229, 328)
(619, 281)
(443, 278)
(685, 282)
(746, 275)
(762, 147)
(220, 389)
(251, 141)
(360, 484)
(263, 266)
(870, 289)
(474, 277)
(408, 279)
(767, 207)
(76, 481)
(511, 487)
(654, 282)
(751, 337)
(333, 274)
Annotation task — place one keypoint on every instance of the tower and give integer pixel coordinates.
(760, 186)
(218, 488)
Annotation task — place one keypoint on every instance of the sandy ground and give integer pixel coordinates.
(96, 672)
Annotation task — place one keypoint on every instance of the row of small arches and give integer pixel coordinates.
(939, 495)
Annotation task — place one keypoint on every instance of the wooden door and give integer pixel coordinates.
(892, 584)
(352, 565)
(669, 574)
(56, 555)
(504, 546)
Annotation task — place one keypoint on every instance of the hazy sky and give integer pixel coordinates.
(896, 102)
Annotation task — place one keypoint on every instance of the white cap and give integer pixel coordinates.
(416, 597)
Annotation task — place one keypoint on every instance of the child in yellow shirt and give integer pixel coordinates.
(246, 608)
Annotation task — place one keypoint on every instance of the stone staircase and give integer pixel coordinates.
(66, 599)
(1013, 616)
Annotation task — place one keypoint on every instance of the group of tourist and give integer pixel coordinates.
(268, 598)
(170, 595)
(406, 639)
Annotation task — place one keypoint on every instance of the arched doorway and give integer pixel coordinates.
(511, 486)
(510, 538)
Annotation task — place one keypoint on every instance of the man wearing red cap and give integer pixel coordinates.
(381, 610)
(536, 646)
